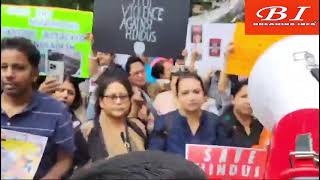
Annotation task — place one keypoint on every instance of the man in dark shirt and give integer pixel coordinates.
(241, 128)
(26, 110)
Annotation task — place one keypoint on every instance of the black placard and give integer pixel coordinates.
(160, 26)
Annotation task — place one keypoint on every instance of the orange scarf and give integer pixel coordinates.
(264, 141)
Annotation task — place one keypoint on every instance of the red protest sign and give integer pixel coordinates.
(220, 162)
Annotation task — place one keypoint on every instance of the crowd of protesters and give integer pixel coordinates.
(148, 104)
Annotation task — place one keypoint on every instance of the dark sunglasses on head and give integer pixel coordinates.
(180, 69)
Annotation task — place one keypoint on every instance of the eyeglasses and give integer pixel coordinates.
(114, 98)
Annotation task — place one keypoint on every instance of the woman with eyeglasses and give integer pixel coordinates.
(189, 124)
(113, 132)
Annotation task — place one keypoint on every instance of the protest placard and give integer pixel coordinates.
(220, 162)
(60, 35)
(150, 27)
(247, 50)
(210, 41)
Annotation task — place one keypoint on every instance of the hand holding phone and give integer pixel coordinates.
(56, 70)
(50, 85)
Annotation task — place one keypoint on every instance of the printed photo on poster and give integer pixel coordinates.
(215, 47)
(70, 58)
(196, 34)
(216, 37)
(21, 154)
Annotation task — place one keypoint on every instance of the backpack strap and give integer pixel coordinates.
(137, 129)
(150, 105)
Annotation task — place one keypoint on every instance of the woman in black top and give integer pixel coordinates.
(113, 132)
(239, 124)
